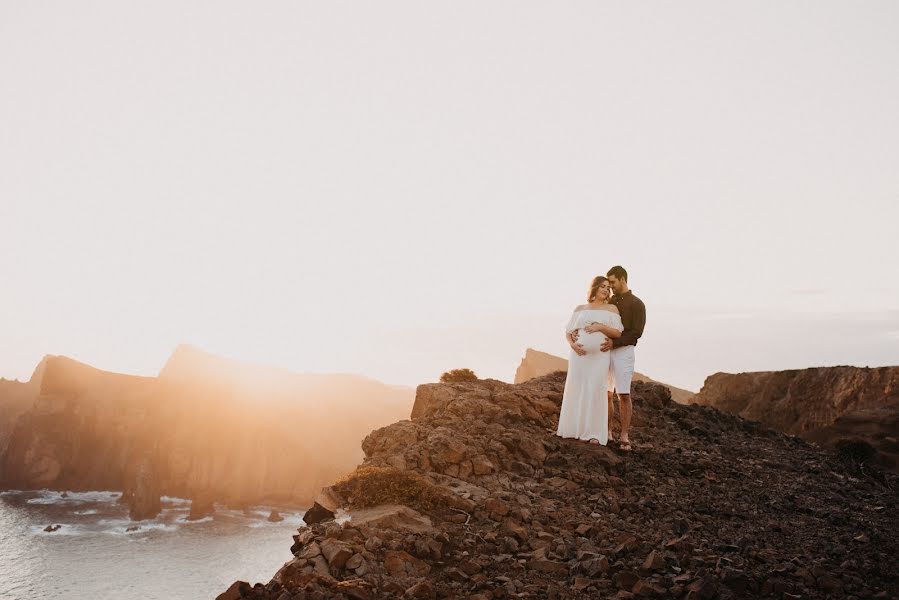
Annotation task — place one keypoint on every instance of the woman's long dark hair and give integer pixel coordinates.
(594, 287)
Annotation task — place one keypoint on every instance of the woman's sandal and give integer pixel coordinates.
(594, 441)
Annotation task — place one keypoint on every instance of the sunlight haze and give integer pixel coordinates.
(397, 189)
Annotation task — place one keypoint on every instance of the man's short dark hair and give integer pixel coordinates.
(617, 272)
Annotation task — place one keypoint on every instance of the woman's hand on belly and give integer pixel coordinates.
(591, 342)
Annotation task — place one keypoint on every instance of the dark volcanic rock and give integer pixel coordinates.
(317, 514)
(864, 435)
(707, 505)
(826, 405)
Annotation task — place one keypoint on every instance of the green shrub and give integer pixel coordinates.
(457, 375)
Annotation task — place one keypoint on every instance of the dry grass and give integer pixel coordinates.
(371, 486)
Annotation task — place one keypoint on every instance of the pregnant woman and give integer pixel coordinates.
(584, 413)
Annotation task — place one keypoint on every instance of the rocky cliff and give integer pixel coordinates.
(536, 364)
(475, 497)
(227, 439)
(829, 405)
(16, 397)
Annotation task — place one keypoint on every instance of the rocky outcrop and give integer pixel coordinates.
(144, 494)
(15, 399)
(536, 364)
(798, 401)
(233, 433)
(475, 497)
(827, 404)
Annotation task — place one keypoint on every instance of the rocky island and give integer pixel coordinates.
(475, 497)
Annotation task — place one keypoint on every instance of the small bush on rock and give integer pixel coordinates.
(371, 486)
(458, 375)
(855, 451)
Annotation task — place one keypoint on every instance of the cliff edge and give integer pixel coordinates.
(476, 497)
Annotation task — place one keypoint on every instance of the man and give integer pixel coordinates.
(633, 317)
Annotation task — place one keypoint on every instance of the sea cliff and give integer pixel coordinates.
(475, 497)
(256, 435)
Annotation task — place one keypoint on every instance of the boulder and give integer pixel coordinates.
(402, 564)
(235, 591)
(391, 516)
(274, 517)
(551, 567)
(317, 514)
(330, 499)
(336, 553)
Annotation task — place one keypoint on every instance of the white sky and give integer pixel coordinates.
(401, 188)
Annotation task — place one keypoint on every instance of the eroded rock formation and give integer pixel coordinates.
(475, 497)
(537, 364)
(16, 398)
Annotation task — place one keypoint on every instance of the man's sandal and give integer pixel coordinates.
(625, 447)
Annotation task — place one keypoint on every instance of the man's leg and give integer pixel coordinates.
(624, 373)
(624, 405)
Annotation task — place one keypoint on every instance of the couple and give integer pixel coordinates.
(602, 335)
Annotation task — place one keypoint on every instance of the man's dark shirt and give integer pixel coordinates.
(633, 316)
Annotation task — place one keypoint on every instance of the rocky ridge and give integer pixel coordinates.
(475, 497)
(831, 406)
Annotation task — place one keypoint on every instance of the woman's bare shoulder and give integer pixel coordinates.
(580, 307)
(613, 308)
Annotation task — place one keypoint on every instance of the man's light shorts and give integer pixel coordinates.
(621, 369)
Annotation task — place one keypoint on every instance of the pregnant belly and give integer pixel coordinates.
(590, 341)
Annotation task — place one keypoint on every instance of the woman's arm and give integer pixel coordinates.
(572, 341)
(605, 329)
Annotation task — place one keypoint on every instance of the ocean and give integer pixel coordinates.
(94, 556)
